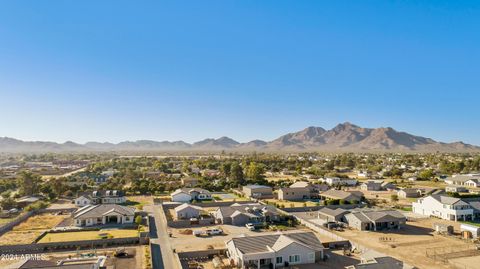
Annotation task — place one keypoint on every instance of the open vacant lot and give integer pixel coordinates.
(40, 222)
(409, 244)
(282, 203)
(87, 235)
(27, 231)
(188, 242)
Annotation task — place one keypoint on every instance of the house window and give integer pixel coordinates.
(294, 258)
(311, 256)
(127, 218)
(279, 260)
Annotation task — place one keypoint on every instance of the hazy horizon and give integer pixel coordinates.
(113, 71)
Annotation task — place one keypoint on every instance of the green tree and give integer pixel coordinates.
(138, 220)
(236, 174)
(255, 171)
(29, 183)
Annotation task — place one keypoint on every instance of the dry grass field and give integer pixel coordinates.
(27, 231)
(87, 235)
(40, 222)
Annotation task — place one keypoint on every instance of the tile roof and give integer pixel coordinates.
(382, 215)
(264, 243)
(332, 212)
(228, 211)
(93, 211)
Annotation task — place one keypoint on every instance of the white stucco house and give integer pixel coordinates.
(444, 207)
(467, 180)
(340, 181)
(187, 211)
(185, 195)
(82, 200)
(275, 250)
(100, 197)
(103, 214)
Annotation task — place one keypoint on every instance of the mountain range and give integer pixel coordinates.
(343, 137)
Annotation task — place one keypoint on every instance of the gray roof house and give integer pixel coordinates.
(371, 185)
(240, 215)
(329, 214)
(301, 190)
(184, 195)
(91, 215)
(257, 191)
(375, 220)
(275, 250)
(468, 180)
(333, 194)
(187, 211)
(409, 193)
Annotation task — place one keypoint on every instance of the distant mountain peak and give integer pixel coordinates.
(343, 137)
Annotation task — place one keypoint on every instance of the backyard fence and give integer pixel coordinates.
(73, 245)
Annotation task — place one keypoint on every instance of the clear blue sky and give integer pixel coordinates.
(171, 70)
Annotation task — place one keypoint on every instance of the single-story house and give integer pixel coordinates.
(185, 195)
(102, 214)
(375, 220)
(275, 250)
(351, 197)
(389, 186)
(455, 188)
(340, 181)
(408, 193)
(329, 214)
(258, 191)
(187, 211)
(371, 185)
(240, 215)
(468, 180)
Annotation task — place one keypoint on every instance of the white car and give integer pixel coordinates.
(215, 231)
(250, 226)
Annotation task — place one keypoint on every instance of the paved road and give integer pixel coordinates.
(161, 249)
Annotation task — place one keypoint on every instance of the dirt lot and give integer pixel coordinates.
(62, 204)
(134, 262)
(40, 222)
(290, 204)
(409, 244)
(86, 235)
(27, 231)
(187, 242)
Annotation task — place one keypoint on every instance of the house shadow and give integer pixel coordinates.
(408, 229)
(335, 260)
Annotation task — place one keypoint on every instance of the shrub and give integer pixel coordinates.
(36, 206)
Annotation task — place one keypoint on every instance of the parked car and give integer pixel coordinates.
(214, 231)
(250, 226)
